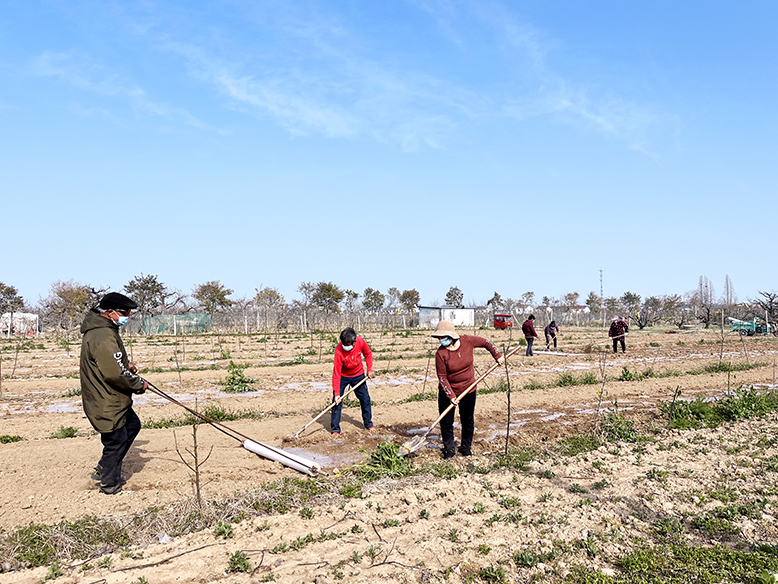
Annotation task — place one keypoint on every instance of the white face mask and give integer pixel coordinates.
(347, 347)
(122, 320)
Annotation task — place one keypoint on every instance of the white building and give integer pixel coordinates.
(430, 316)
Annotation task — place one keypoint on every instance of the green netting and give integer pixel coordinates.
(176, 323)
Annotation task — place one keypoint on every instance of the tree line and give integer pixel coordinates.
(322, 305)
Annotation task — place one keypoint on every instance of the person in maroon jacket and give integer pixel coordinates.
(455, 369)
(528, 328)
(348, 370)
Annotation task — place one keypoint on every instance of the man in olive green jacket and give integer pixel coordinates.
(108, 380)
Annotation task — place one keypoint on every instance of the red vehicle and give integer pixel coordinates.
(503, 321)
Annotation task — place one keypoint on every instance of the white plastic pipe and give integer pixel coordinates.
(298, 463)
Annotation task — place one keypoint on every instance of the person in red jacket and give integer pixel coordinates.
(456, 371)
(348, 370)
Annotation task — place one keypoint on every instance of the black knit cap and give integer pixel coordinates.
(116, 301)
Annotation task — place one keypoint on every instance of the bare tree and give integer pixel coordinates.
(526, 303)
(306, 290)
(672, 309)
(69, 300)
(768, 304)
(350, 301)
(271, 301)
(702, 301)
(649, 313)
(392, 298)
(569, 303)
(728, 296)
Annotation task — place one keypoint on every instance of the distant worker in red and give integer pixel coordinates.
(348, 370)
(528, 328)
(618, 332)
(456, 372)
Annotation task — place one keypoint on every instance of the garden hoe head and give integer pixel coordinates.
(412, 445)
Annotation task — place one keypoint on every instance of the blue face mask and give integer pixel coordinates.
(122, 321)
(347, 347)
(445, 341)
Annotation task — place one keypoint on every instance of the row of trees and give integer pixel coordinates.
(325, 304)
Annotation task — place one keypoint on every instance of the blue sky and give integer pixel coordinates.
(493, 146)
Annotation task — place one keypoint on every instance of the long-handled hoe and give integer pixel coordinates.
(349, 390)
(298, 463)
(414, 444)
(590, 346)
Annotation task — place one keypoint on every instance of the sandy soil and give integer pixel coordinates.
(46, 480)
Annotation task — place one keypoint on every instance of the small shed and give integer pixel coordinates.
(430, 316)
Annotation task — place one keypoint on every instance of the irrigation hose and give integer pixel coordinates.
(294, 461)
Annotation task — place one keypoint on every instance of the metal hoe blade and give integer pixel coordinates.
(412, 445)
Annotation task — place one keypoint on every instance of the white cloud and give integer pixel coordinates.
(553, 95)
(348, 97)
(80, 70)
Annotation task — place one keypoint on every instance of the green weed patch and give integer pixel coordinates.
(39, 545)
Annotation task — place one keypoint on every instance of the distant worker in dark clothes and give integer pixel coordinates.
(551, 331)
(456, 372)
(618, 332)
(108, 380)
(348, 370)
(528, 328)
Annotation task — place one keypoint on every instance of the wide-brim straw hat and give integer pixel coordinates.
(445, 328)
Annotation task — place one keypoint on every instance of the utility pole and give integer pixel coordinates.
(602, 301)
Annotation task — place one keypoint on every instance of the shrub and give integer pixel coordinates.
(239, 562)
(566, 379)
(7, 439)
(385, 461)
(38, 545)
(65, 432)
(614, 426)
(236, 381)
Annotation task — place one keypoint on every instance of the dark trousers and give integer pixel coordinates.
(364, 403)
(466, 418)
(530, 341)
(616, 344)
(116, 444)
(548, 341)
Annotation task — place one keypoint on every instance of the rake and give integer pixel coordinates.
(349, 390)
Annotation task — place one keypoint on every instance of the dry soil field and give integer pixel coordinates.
(429, 527)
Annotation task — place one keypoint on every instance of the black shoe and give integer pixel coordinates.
(448, 454)
(467, 452)
(115, 490)
(97, 475)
